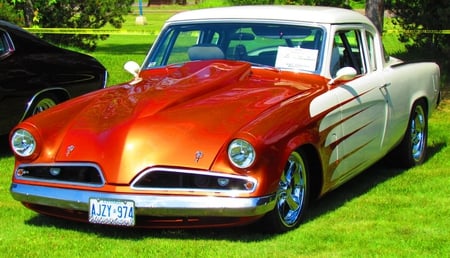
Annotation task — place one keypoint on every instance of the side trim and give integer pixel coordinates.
(105, 79)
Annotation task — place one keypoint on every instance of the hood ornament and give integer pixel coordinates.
(69, 150)
(198, 156)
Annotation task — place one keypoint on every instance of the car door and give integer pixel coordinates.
(364, 107)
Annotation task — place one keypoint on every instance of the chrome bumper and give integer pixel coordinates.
(151, 205)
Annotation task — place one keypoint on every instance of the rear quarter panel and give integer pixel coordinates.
(409, 82)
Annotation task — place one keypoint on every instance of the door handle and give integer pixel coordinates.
(384, 86)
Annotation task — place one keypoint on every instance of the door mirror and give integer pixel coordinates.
(344, 74)
(132, 67)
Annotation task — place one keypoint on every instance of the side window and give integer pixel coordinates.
(371, 48)
(347, 51)
(2, 44)
(6, 45)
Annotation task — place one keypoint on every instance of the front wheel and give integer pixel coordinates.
(413, 148)
(292, 195)
(44, 103)
(41, 103)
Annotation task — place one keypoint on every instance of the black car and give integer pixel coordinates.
(35, 75)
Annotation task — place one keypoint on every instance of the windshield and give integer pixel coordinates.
(281, 46)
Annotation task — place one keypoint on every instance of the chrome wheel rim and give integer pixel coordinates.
(291, 191)
(418, 133)
(43, 104)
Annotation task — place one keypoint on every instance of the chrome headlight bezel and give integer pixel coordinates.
(241, 153)
(23, 143)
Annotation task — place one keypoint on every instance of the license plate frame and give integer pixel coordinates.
(112, 212)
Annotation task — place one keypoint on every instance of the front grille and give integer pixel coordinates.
(192, 180)
(69, 173)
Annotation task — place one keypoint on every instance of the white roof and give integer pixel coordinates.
(315, 14)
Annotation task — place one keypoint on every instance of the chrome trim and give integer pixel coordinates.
(199, 172)
(84, 164)
(30, 102)
(105, 79)
(151, 205)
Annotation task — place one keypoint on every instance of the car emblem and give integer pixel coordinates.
(69, 150)
(22, 172)
(198, 156)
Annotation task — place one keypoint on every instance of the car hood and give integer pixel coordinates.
(166, 119)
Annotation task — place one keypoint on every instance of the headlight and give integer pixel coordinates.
(241, 153)
(23, 143)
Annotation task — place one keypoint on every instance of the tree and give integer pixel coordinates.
(28, 12)
(9, 13)
(375, 12)
(340, 3)
(73, 14)
(422, 21)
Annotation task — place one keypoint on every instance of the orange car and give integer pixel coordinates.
(237, 115)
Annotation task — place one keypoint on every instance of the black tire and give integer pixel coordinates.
(412, 150)
(43, 102)
(292, 196)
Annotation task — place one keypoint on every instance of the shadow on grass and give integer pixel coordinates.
(121, 49)
(251, 233)
(356, 187)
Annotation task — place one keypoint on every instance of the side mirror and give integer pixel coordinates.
(132, 67)
(344, 74)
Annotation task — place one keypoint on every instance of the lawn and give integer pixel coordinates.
(382, 212)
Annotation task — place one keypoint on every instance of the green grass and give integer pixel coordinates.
(382, 212)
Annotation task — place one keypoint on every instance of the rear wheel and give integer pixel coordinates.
(413, 148)
(292, 195)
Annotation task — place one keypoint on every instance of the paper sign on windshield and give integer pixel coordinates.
(296, 58)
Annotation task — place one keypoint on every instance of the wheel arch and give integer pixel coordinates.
(426, 105)
(421, 96)
(315, 167)
(401, 154)
(61, 95)
(285, 216)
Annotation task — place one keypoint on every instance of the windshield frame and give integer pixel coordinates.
(224, 33)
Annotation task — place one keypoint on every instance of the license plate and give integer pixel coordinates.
(111, 212)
